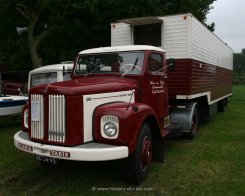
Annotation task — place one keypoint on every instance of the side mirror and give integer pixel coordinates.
(171, 64)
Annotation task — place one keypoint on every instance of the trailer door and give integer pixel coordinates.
(148, 34)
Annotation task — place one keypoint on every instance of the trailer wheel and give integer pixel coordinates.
(222, 104)
(194, 124)
(139, 161)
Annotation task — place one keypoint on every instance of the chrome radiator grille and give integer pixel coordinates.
(57, 126)
(37, 120)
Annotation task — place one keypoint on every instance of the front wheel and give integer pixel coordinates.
(138, 163)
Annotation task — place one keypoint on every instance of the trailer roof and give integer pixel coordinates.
(121, 49)
(142, 20)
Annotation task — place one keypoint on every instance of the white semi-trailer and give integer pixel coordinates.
(204, 63)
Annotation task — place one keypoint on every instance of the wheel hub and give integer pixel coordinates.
(146, 152)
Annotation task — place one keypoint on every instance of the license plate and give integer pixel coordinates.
(47, 160)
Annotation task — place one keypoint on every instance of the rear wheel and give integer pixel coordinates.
(138, 163)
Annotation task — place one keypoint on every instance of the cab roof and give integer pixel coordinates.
(121, 49)
(54, 67)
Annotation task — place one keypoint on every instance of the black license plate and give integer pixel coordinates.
(47, 160)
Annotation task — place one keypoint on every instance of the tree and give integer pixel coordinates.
(243, 52)
(32, 15)
(239, 64)
(13, 49)
(47, 14)
(60, 29)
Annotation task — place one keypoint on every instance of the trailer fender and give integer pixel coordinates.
(183, 115)
(131, 119)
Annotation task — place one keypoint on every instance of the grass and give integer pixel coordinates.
(212, 164)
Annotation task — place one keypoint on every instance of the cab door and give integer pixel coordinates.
(156, 83)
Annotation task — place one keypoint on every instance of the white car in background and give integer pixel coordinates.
(50, 73)
(13, 104)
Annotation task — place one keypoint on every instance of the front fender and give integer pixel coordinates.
(131, 118)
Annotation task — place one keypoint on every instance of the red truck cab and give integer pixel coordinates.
(116, 106)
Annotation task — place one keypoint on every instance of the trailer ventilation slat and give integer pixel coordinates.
(57, 126)
(37, 120)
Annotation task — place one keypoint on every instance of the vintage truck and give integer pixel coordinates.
(123, 101)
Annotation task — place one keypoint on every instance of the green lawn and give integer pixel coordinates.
(212, 164)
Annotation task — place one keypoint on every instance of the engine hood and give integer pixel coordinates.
(83, 86)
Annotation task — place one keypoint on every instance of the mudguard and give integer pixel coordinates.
(183, 115)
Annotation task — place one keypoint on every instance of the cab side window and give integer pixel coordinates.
(155, 63)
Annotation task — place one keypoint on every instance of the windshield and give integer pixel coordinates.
(43, 78)
(118, 62)
(49, 77)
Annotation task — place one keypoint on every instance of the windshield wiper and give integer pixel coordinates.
(135, 63)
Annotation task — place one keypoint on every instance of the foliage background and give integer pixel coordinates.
(75, 25)
(239, 64)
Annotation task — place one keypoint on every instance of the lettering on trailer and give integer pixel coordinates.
(59, 153)
(210, 69)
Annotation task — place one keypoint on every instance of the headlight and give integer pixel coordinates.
(110, 129)
(25, 119)
(109, 126)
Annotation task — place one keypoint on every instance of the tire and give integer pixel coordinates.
(138, 163)
(194, 125)
(222, 105)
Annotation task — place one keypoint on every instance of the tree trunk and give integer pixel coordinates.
(35, 59)
(32, 42)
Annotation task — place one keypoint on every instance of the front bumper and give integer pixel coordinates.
(86, 152)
